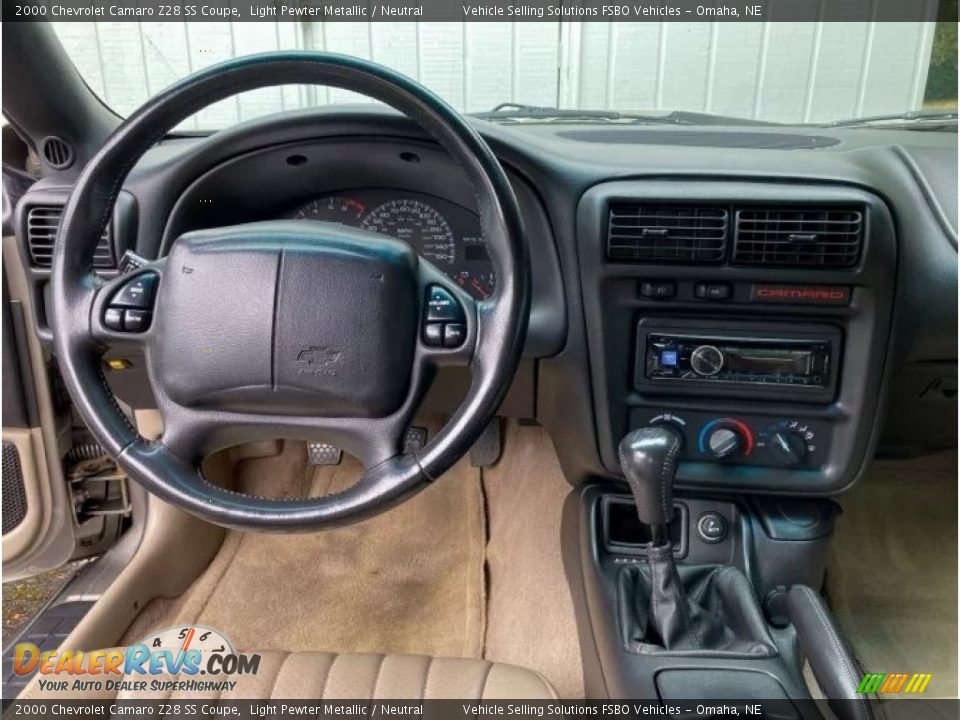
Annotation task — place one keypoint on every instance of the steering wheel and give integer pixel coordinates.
(287, 329)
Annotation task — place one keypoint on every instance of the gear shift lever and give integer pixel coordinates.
(724, 614)
(648, 457)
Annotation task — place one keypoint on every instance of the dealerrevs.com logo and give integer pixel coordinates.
(189, 658)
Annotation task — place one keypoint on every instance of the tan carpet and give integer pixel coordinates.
(892, 579)
(411, 580)
(408, 581)
(530, 620)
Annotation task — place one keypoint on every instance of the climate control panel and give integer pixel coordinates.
(745, 439)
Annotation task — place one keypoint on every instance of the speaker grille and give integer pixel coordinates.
(14, 501)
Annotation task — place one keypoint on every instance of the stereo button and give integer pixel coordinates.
(706, 360)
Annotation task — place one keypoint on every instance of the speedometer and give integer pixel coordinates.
(419, 225)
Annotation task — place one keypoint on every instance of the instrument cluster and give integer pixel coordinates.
(446, 234)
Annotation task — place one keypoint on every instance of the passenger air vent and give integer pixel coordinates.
(804, 237)
(42, 224)
(667, 233)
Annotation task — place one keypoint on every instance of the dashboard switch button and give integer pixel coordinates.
(712, 291)
(658, 289)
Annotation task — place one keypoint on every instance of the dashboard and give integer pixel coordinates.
(440, 231)
(779, 372)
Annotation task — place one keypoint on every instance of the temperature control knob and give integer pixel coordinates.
(787, 448)
(725, 442)
(706, 360)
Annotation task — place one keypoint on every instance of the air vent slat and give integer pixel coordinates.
(798, 237)
(42, 225)
(667, 233)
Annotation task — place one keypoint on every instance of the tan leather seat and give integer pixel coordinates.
(330, 676)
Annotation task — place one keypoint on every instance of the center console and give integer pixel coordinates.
(737, 334)
(671, 613)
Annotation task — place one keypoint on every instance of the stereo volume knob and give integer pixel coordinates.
(706, 360)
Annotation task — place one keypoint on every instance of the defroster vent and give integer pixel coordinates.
(669, 233)
(42, 224)
(798, 237)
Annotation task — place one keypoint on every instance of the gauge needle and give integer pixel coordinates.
(187, 639)
(480, 289)
(184, 647)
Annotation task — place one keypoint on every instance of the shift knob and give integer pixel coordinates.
(648, 457)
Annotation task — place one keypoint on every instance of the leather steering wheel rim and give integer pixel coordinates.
(498, 325)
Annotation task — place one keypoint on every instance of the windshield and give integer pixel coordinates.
(745, 72)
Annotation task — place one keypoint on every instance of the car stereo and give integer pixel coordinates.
(752, 359)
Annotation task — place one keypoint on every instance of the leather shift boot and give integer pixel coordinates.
(701, 610)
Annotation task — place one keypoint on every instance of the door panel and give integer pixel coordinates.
(39, 535)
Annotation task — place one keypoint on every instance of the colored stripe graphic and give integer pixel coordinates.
(893, 683)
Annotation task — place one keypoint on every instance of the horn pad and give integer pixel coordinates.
(287, 317)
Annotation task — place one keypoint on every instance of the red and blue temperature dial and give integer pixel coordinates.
(726, 438)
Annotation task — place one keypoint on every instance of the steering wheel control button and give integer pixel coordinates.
(113, 319)
(443, 307)
(445, 323)
(706, 360)
(136, 320)
(658, 289)
(453, 335)
(712, 291)
(433, 334)
(712, 527)
(131, 307)
(137, 293)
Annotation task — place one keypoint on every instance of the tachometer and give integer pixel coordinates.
(417, 224)
(335, 208)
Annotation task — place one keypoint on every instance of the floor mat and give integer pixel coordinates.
(892, 578)
(408, 581)
(530, 619)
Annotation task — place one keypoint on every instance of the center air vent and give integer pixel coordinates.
(669, 233)
(799, 237)
(42, 224)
